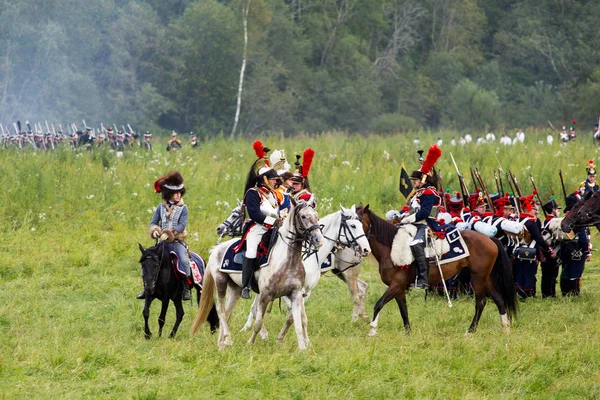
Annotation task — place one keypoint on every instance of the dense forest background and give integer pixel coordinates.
(312, 65)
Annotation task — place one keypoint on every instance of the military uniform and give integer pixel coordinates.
(573, 256)
(174, 143)
(548, 264)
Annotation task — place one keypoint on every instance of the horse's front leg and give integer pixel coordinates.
(259, 316)
(388, 295)
(224, 339)
(163, 315)
(251, 315)
(146, 314)
(179, 313)
(288, 322)
(297, 305)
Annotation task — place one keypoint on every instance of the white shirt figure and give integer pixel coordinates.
(479, 140)
(453, 142)
(468, 138)
(490, 137)
(519, 136)
(439, 142)
(416, 141)
(462, 141)
(549, 138)
(505, 140)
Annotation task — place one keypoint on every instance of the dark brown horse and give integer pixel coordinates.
(490, 266)
(585, 213)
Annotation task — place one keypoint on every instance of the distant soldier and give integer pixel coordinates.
(572, 134)
(147, 143)
(193, 140)
(101, 140)
(120, 143)
(589, 185)
(174, 143)
(596, 134)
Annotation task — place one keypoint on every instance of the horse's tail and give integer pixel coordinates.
(503, 281)
(206, 302)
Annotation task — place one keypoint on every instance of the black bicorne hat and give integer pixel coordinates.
(550, 206)
(571, 201)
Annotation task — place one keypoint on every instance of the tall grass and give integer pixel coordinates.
(70, 326)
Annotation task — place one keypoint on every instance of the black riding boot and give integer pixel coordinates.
(185, 293)
(142, 295)
(422, 273)
(247, 271)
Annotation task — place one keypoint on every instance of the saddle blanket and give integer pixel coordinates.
(327, 264)
(197, 265)
(452, 248)
(232, 261)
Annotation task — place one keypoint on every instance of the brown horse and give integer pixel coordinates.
(490, 266)
(583, 214)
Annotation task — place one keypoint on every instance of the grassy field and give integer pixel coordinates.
(70, 326)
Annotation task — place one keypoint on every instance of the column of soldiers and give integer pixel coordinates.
(529, 241)
(86, 138)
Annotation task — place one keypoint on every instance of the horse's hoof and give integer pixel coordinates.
(264, 335)
(354, 318)
(372, 332)
(244, 328)
(148, 336)
(227, 342)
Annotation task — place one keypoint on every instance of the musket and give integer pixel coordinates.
(514, 179)
(461, 180)
(130, 129)
(537, 193)
(484, 188)
(441, 190)
(16, 129)
(471, 169)
(498, 186)
(474, 178)
(562, 183)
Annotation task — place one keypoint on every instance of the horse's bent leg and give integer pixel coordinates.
(224, 333)
(162, 316)
(480, 300)
(179, 313)
(146, 314)
(251, 314)
(401, 301)
(286, 326)
(297, 305)
(362, 288)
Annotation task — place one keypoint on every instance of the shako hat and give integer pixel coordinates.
(591, 168)
(550, 205)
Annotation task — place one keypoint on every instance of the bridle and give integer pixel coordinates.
(345, 231)
(301, 235)
(159, 260)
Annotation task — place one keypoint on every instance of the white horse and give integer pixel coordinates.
(284, 275)
(346, 266)
(341, 229)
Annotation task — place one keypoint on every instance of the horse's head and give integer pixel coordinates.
(363, 216)
(584, 213)
(150, 261)
(306, 224)
(352, 232)
(232, 226)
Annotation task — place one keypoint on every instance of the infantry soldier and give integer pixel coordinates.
(262, 204)
(596, 134)
(549, 265)
(193, 140)
(573, 256)
(424, 204)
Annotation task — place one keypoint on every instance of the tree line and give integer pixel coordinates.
(309, 65)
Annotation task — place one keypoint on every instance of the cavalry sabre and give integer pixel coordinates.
(437, 262)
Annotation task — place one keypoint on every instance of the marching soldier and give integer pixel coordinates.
(262, 204)
(193, 140)
(424, 204)
(147, 143)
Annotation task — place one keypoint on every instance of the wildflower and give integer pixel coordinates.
(150, 211)
(135, 194)
(346, 163)
(386, 155)
(33, 229)
(91, 196)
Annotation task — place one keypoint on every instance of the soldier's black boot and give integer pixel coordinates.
(247, 271)
(418, 252)
(185, 293)
(142, 295)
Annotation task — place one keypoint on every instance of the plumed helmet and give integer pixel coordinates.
(302, 170)
(169, 184)
(261, 168)
(476, 200)
(279, 162)
(591, 168)
(426, 170)
(528, 202)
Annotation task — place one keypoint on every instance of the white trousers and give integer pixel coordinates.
(253, 239)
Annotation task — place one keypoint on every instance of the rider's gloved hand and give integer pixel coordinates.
(155, 235)
(164, 237)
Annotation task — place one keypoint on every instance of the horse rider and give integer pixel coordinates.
(300, 185)
(573, 255)
(589, 185)
(549, 265)
(262, 203)
(284, 188)
(424, 204)
(169, 222)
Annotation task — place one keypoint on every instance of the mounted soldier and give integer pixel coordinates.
(262, 203)
(284, 189)
(300, 185)
(424, 205)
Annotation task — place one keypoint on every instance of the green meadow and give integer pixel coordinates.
(70, 326)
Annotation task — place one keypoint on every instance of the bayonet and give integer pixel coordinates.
(461, 180)
(562, 183)
(537, 193)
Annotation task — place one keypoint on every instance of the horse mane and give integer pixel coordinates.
(382, 229)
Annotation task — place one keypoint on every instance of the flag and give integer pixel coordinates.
(405, 185)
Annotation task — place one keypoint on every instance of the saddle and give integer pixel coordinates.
(449, 249)
(197, 265)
